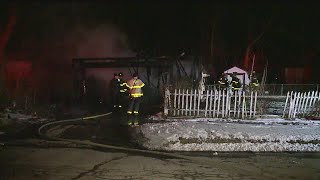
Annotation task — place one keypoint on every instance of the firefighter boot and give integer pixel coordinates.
(130, 119)
(136, 119)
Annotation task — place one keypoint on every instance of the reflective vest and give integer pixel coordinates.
(123, 86)
(223, 82)
(255, 82)
(135, 86)
(236, 84)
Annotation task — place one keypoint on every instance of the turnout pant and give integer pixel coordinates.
(133, 110)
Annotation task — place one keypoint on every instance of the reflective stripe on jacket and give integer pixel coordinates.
(135, 86)
(123, 86)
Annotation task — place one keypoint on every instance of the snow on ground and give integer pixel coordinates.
(270, 134)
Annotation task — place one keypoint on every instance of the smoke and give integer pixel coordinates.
(52, 41)
(101, 41)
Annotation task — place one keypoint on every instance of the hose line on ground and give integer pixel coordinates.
(98, 144)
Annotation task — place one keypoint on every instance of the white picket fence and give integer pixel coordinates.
(301, 104)
(210, 103)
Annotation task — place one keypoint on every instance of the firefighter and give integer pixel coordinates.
(123, 90)
(135, 86)
(223, 82)
(254, 84)
(235, 82)
(115, 90)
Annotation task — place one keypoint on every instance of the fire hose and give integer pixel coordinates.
(98, 144)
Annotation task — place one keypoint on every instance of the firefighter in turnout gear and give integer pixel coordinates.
(115, 90)
(223, 82)
(254, 83)
(123, 90)
(235, 83)
(135, 86)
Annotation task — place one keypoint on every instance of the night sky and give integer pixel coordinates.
(48, 31)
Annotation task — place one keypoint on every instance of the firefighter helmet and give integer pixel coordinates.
(135, 74)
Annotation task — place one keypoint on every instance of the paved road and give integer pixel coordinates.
(71, 163)
(68, 163)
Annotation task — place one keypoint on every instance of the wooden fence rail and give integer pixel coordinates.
(210, 103)
(301, 104)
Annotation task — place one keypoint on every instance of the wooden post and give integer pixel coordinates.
(222, 111)
(303, 102)
(183, 103)
(300, 104)
(314, 99)
(199, 99)
(190, 105)
(214, 103)
(291, 102)
(179, 105)
(311, 99)
(239, 103)
(235, 103)
(166, 102)
(251, 99)
(255, 104)
(296, 105)
(218, 109)
(306, 102)
(285, 105)
(210, 106)
(175, 103)
(243, 102)
(207, 98)
(187, 102)
(194, 102)
(227, 103)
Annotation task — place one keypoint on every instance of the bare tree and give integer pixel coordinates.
(249, 47)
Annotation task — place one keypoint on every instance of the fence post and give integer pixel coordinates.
(291, 102)
(199, 99)
(285, 105)
(179, 104)
(239, 103)
(166, 102)
(251, 99)
(227, 103)
(183, 105)
(187, 102)
(207, 96)
(311, 100)
(303, 102)
(296, 105)
(218, 109)
(214, 103)
(281, 90)
(305, 105)
(194, 102)
(190, 105)
(243, 103)
(255, 104)
(222, 111)
(235, 104)
(210, 106)
(175, 102)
